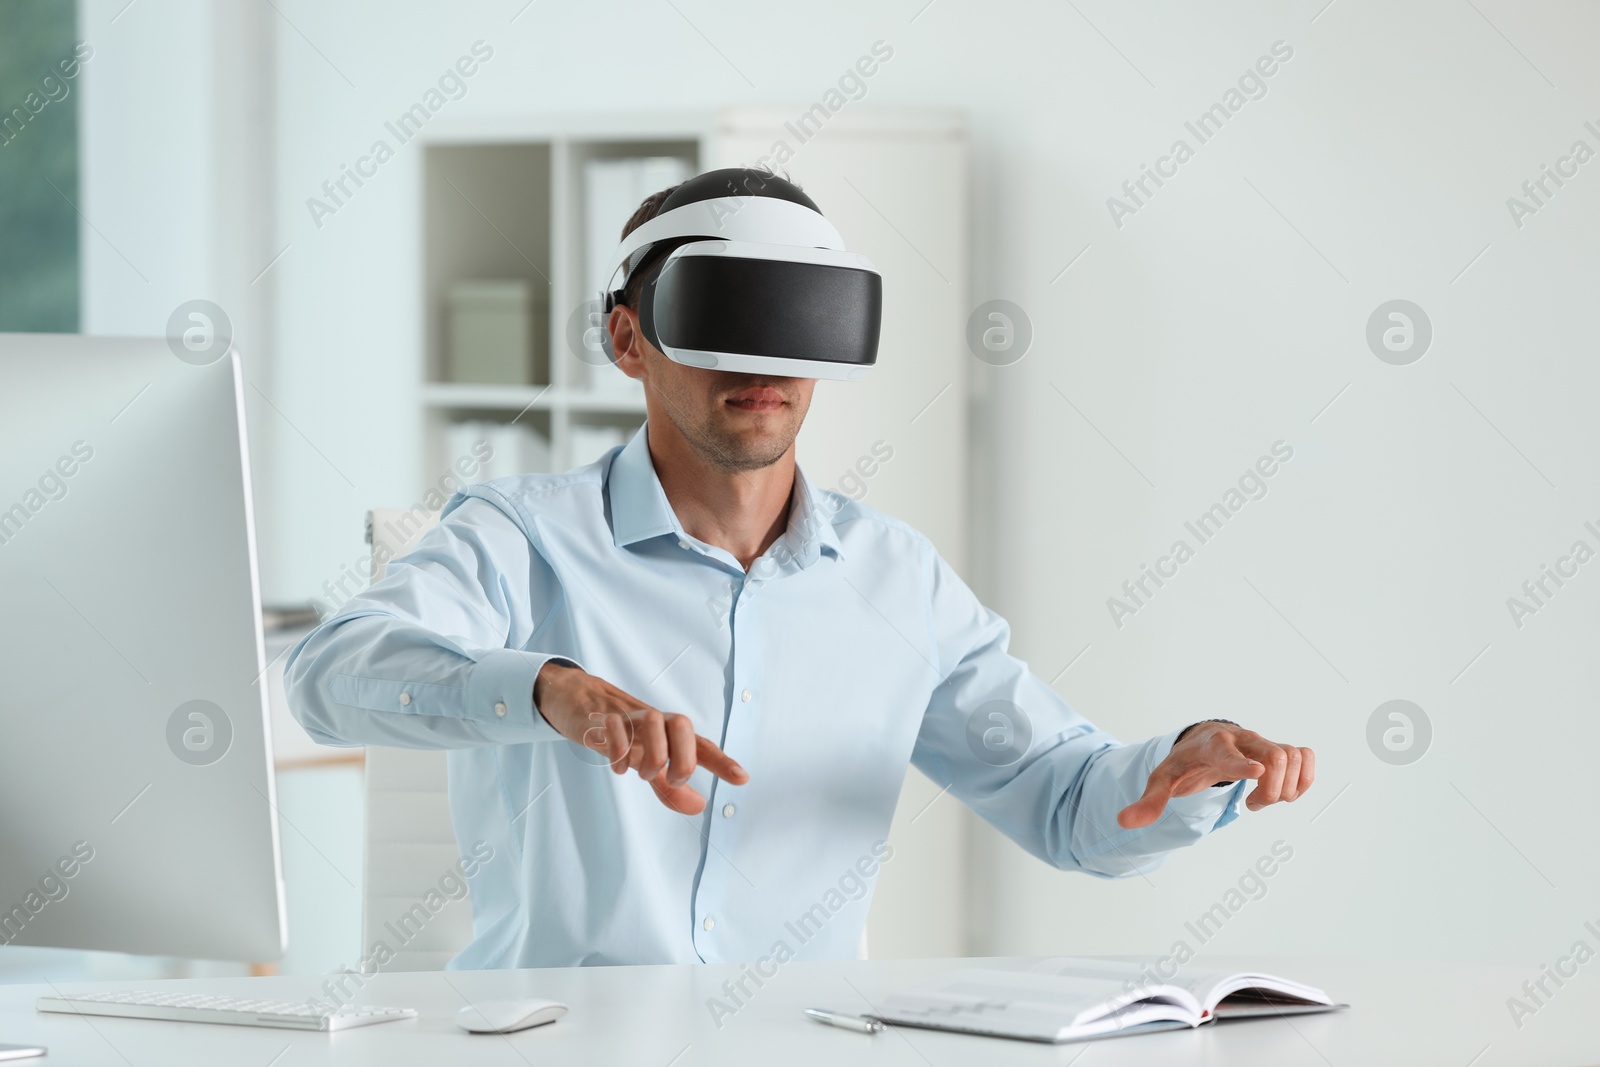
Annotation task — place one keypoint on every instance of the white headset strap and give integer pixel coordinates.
(757, 219)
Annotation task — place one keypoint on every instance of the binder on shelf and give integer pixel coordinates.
(588, 443)
(513, 447)
(612, 191)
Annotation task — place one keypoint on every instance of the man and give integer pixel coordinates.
(768, 656)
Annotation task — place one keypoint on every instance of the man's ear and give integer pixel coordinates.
(627, 340)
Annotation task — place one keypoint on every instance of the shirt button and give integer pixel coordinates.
(500, 709)
(727, 811)
(708, 922)
(745, 696)
(683, 545)
(405, 698)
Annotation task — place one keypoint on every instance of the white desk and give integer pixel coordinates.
(1412, 1014)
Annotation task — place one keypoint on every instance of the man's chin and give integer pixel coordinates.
(758, 456)
(748, 449)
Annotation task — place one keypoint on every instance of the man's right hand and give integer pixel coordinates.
(662, 747)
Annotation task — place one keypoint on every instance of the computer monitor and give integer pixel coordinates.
(137, 808)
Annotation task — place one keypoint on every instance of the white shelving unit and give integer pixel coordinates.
(449, 396)
(505, 201)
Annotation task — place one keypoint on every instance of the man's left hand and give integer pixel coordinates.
(1211, 752)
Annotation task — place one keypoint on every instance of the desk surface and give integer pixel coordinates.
(658, 1017)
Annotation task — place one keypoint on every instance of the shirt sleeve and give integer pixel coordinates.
(434, 655)
(1009, 747)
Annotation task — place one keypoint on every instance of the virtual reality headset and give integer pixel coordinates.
(764, 286)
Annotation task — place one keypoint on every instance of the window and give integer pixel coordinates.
(39, 64)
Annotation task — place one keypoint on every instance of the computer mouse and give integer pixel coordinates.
(507, 1016)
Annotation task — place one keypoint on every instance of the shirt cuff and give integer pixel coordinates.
(500, 696)
(1211, 808)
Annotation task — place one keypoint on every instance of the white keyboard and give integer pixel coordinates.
(233, 1011)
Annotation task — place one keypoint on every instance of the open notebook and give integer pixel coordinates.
(1077, 999)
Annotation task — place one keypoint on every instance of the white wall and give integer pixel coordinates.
(175, 142)
(1220, 318)
(1206, 329)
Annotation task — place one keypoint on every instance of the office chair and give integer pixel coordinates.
(410, 841)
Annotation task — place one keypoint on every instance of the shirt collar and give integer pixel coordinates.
(811, 515)
(640, 509)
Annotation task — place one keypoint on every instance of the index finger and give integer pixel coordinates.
(719, 762)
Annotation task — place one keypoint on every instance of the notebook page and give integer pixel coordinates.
(1040, 1006)
(1207, 985)
(1133, 975)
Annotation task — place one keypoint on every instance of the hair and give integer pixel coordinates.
(648, 209)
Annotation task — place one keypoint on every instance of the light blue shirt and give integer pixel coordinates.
(849, 650)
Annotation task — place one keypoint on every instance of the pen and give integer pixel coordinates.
(857, 1023)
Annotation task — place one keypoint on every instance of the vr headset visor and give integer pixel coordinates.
(770, 289)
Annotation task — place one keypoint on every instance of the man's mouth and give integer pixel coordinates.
(757, 398)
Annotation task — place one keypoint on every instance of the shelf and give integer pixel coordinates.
(586, 126)
(487, 217)
(515, 398)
